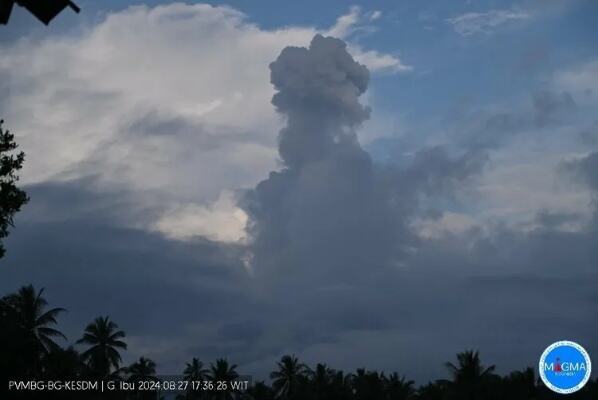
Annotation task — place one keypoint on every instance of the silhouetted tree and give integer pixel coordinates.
(16, 355)
(143, 370)
(320, 380)
(195, 372)
(26, 336)
(432, 391)
(33, 327)
(260, 391)
(104, 339)
(368, 385)
(11, 197)
(62, 364)
(290, 374)
(398, 388)
(30, 308)
(341, 385)
(326, 383)
(469, 376)
(222, 371)
(520, 385)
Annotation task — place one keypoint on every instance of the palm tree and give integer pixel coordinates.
(61, 364)
(398, 388)
(103, 337)
(368, 384)
(469, 376)
(432, 391)
(520, 385)
(29, 308)
(289, 375)
(342, 385)
(222, 371)
(320, 380)
(142, 370)
(195, 372)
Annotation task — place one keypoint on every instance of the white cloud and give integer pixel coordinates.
(524, 179)
(357, 21)
(474, 22)
(221, 221)
(449, 223)
(374, 15)
(171, 103)
(346, 24)
(379, 62)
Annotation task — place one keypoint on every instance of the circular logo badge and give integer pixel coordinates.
(565, 367)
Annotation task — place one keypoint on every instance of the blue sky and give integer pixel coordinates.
(158, 160)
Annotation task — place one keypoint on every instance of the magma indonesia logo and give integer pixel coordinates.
(565, 367)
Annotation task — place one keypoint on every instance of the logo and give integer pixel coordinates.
(565, 367)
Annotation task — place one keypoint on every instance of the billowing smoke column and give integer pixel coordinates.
(318, 91)
(327, 214)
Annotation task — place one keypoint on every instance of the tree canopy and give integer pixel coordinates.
(12, 198)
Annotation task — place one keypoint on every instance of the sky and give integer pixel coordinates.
(379, 184)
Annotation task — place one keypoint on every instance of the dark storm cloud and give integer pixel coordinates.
(509, 294)
(78, 199)
(71, 240)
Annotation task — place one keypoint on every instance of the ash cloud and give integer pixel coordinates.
(331, 214)
(327, 209)
(318, 92)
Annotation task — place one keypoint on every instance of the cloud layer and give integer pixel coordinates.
(472, 23)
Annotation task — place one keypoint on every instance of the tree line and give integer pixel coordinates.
(29, 351)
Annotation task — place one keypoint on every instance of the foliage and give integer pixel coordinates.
(11, 197)
(104, 339)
